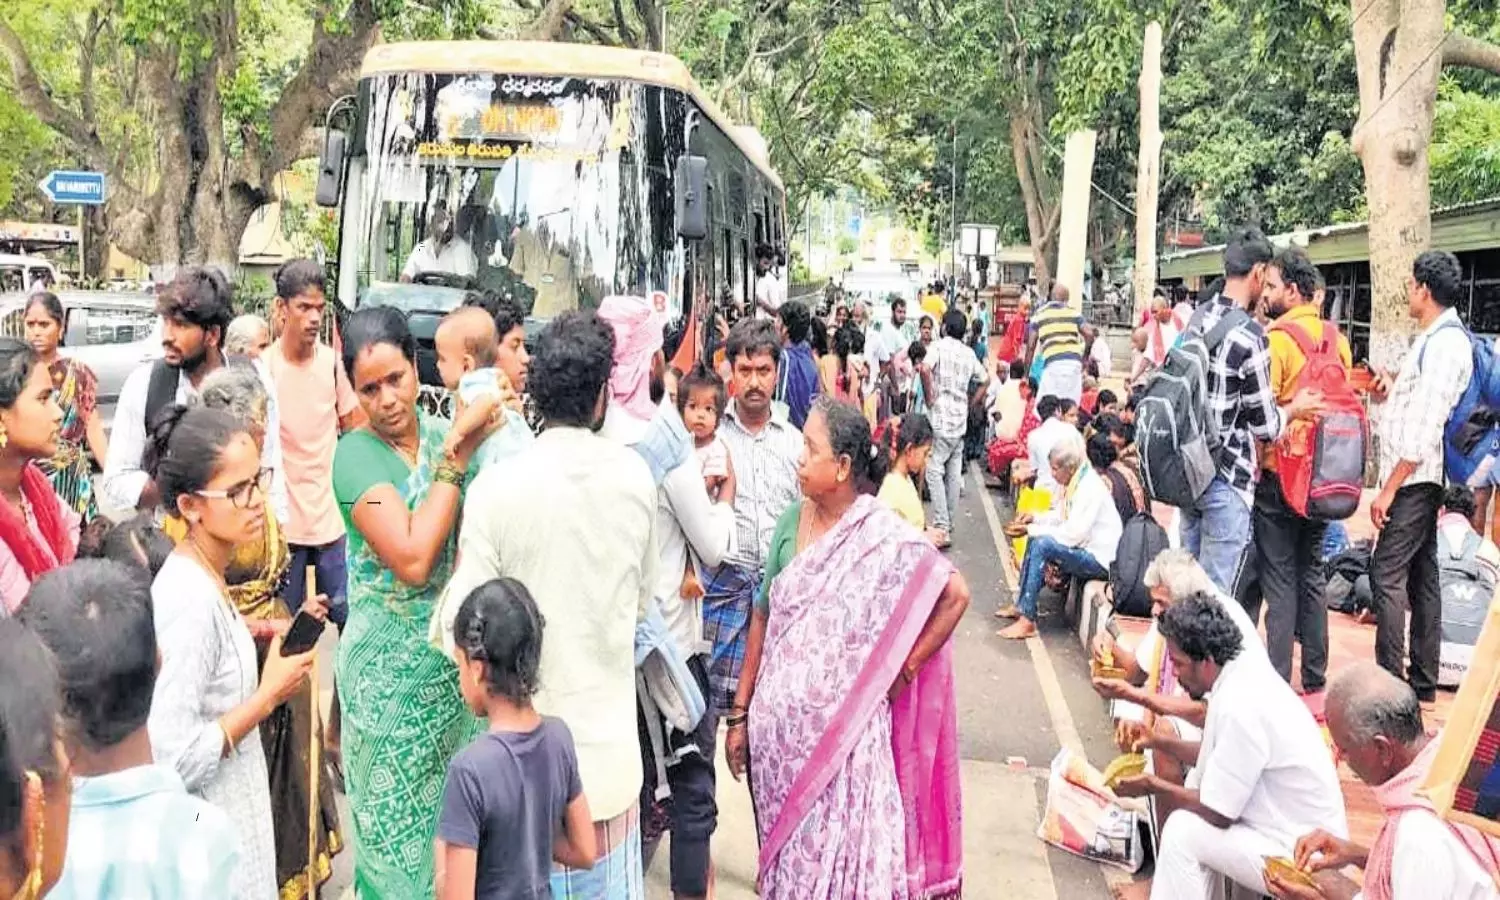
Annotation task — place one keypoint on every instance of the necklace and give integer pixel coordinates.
(809, 525)
(410, 456)
(202, 559)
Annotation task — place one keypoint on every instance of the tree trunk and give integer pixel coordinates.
(1042, 213)
(1395, 44)
(1148, 171)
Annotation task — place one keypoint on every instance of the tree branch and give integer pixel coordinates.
(549, 25)
(1462, 50)
(330, 71)
(34, 96)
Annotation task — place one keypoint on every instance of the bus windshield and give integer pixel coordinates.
(523, 186)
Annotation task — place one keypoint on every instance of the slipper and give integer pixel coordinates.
(1013, 634)
(1008, 611)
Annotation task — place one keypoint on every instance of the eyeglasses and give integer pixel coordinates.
(241, 493)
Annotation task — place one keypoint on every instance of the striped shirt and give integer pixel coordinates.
(1057, 327)
(1240, 395)
(765, 480)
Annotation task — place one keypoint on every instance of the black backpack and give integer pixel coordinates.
(1174, 431)
(1141, 540)
(161, 390)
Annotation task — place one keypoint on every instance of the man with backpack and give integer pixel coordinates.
(195, 309)
(1238, 405)
(1306, 352)
(1418, 404)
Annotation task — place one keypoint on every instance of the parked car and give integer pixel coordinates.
(112, 332)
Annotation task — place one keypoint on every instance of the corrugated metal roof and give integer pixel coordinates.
(1303, 237)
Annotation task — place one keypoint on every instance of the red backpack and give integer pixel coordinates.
(1321, 460)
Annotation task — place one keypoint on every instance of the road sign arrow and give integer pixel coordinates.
(84, 188)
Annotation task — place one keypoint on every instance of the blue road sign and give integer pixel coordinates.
(85, 188)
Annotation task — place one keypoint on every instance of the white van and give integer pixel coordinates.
(26, 274)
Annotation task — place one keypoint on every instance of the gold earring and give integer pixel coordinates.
(4, 438)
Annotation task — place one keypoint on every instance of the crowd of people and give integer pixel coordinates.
(541, 633)
(551, 604)
(1239, 769)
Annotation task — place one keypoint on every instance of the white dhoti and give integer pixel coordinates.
(1194, 859)
(1062, 378)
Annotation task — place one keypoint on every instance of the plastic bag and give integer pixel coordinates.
(1085, 818)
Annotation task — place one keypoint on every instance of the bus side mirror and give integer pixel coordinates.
(331, 168)
(692, 197)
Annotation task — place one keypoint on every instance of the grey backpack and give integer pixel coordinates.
(1174, 432)
(1466, 586)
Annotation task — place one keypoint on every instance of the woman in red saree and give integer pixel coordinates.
(849, 731)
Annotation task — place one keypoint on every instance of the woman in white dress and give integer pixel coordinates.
(209, 699)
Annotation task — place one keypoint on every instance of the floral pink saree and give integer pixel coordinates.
(858, 797)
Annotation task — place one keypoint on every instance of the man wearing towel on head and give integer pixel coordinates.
(687, 524)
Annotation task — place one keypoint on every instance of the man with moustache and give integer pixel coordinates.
(1263, 774)
(764, 448)
(1286, 546)
(196, 309)
(689, 526)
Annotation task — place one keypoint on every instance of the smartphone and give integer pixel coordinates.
(302, 636)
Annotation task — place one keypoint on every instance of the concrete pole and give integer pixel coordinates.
(1073, 232)
(1148, 172)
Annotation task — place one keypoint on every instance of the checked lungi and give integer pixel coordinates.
(727, 598)
(617, 873)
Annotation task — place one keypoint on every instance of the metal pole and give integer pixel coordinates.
(83, 264)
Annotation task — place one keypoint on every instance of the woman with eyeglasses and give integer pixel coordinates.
(36, 787)
(211, 695)
(257, 577)
(38, 531)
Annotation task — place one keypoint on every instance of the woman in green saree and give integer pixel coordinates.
(403, 716)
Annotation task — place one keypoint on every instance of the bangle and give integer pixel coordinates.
(736, 720)
(447, 473)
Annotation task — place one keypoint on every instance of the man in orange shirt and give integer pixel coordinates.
(1287, 545)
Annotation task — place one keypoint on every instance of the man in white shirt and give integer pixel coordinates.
(1079, 536)
(1403, 567)
(442, 251)
(1376, 722)
(1059, 418)
(1264, 775)
(1152, 712)
(947, 382)
(690, 529)
(573, 517)
(196, 309)
(769, 293)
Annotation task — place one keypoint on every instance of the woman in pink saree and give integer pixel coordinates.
(845, 710)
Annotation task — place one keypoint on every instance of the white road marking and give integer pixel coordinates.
(1063, 724)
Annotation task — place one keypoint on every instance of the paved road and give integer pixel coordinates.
(1017, 705)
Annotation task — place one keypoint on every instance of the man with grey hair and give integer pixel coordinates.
(248, 335)
(1152, 711)
(1376, 721)
(1079, 534)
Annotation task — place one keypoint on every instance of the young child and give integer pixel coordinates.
(513, 801)
(701, 399)
(468, 346)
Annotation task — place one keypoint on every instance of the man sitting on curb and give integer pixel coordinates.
(1376, 722)
(1155, 715)
(1079, 535)
(1263, 776)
